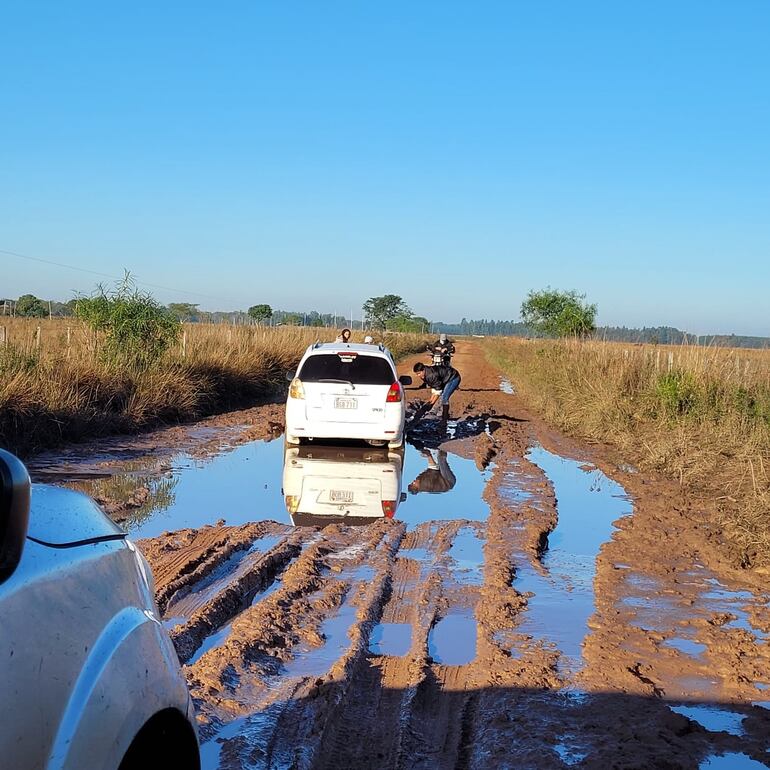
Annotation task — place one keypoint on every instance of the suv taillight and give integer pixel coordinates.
(394, 394)
(295, 389)
(389, 508)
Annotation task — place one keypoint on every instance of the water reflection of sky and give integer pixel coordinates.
(241, 485)
(588, 503)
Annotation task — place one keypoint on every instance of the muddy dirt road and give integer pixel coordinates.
(536, 603)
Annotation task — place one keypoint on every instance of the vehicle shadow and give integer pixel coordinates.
(361, 722)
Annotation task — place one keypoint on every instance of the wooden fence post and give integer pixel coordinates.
(184, 343)
(37, 338)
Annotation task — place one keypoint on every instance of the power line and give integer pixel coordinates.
(106, 275)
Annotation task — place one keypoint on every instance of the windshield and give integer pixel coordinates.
(349, 367)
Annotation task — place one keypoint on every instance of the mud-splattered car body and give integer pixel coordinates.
(88, 675)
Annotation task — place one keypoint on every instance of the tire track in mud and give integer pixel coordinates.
(182, 560)
(412, 710)
(265, 691)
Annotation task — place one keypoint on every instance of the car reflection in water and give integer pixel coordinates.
(349, 485)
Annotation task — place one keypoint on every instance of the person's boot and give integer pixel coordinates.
(445, 413)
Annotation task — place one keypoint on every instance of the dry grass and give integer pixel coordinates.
(700, 415)
(54, 388)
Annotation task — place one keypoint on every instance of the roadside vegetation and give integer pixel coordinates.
(700, 415)
(124, 363)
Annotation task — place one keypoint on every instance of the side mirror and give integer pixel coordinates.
(290, 375)
(405, 379)
(403, 497)
(14, 512)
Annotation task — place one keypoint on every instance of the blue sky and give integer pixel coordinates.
(311, 155)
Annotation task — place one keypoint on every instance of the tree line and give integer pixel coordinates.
(544, 313)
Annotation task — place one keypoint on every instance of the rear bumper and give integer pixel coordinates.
(343, 430)
(390, 429)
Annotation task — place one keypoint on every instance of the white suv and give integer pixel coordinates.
(346, 391)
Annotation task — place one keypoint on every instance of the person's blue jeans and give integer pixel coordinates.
(450, 388)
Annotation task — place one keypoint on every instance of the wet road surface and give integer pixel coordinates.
(486, 597)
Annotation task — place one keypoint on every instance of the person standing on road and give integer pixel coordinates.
(443, 381)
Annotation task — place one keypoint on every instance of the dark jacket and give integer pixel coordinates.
(445, 348)
(437, 377)
(436, 480)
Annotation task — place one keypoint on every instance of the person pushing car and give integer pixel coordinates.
(443, 381)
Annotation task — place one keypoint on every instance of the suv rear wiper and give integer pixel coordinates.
(344, 382)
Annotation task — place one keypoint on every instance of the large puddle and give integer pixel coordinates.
(309, 486)
(588, 503)
(239, 485)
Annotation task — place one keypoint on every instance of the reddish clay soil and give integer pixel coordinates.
(393, 646)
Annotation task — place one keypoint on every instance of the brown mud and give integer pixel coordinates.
(511, 641)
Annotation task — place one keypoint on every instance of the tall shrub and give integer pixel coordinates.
(135, 330)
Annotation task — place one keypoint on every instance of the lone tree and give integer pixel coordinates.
(558, 313)
(381, 310)
(30, 306)
(260, 313)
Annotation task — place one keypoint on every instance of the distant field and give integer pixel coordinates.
(55, 388)
(699, 414)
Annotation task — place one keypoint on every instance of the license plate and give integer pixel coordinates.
(346, 403)
(340, 496)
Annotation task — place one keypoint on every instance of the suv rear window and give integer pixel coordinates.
(359, 369)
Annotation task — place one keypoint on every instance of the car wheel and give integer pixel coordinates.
(292, 439)
(167, 740)
(396, 444)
